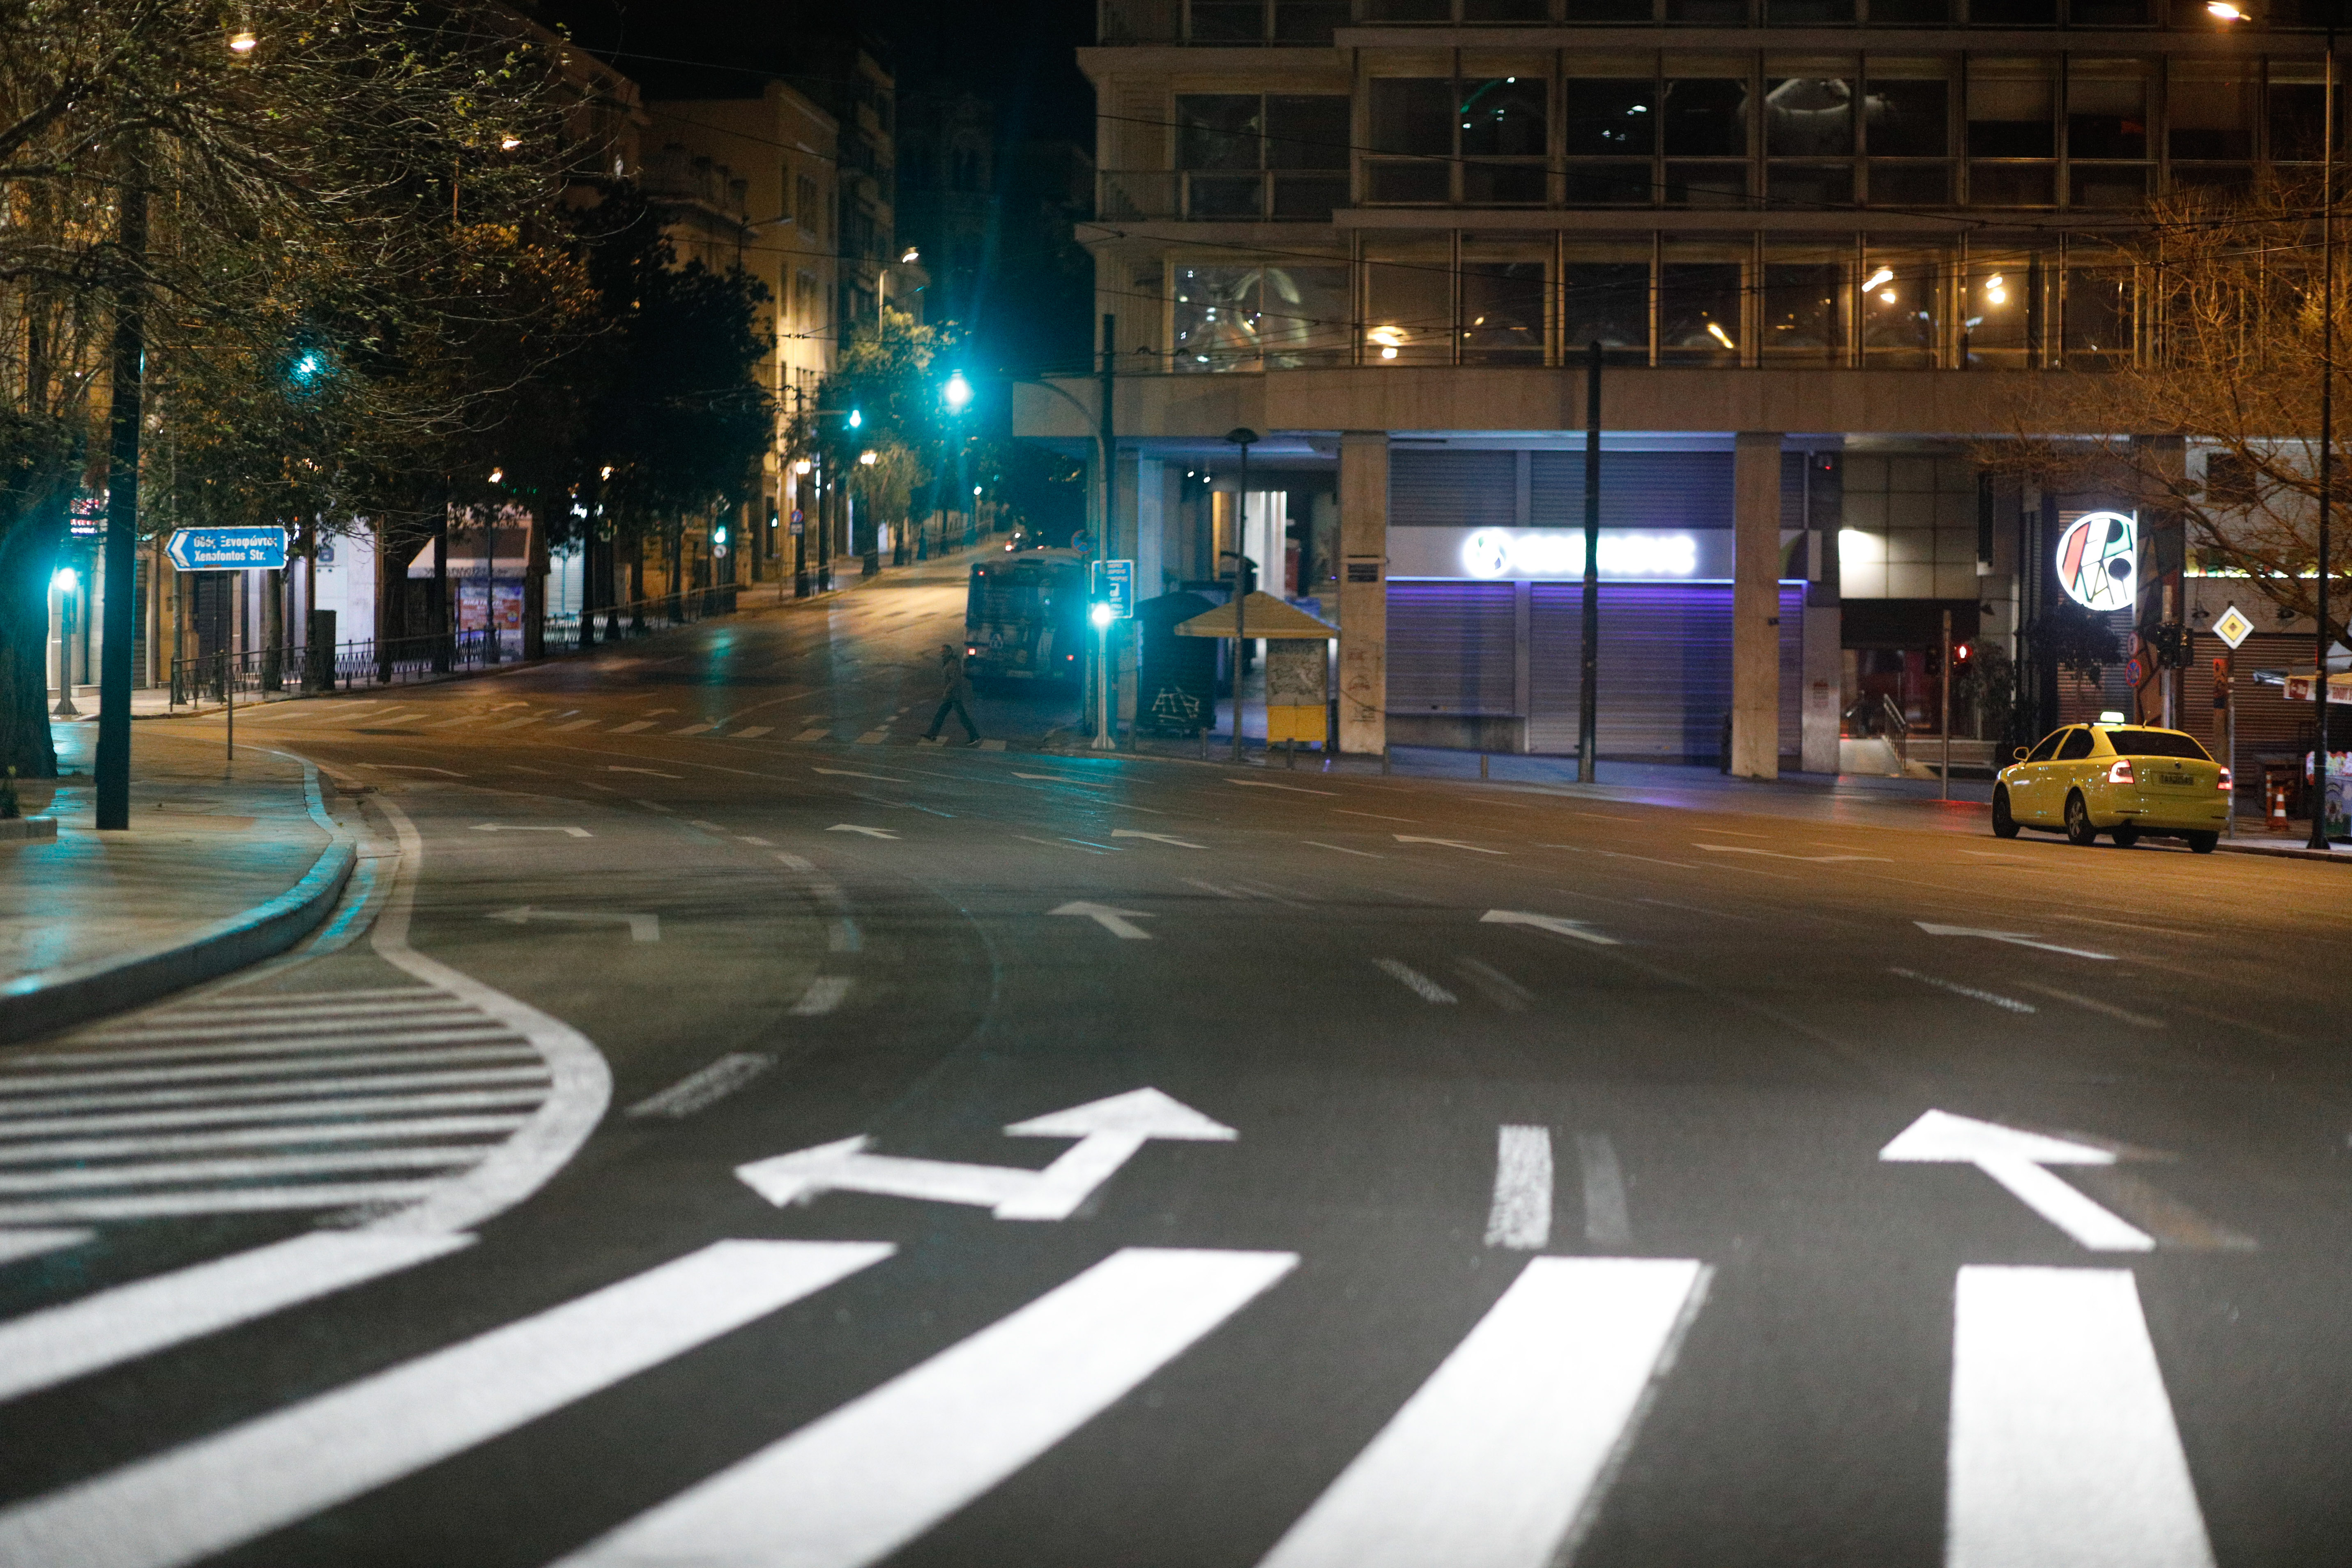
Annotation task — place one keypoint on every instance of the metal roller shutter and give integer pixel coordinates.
(1638, 490)
(1665, 669)
(1452, 647)
(1453, 490)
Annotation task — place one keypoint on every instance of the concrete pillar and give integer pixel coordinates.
(1363, 592)
(1150, 514)
(1756, 605)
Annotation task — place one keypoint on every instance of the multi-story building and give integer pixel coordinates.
(745, 174)
(851, 77)
(1824, 247)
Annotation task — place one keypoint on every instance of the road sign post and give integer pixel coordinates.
(2232, 627)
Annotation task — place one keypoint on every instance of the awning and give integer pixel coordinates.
(2339, 687)
(1264, 617)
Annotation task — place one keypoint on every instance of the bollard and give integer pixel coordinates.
(1482, 764)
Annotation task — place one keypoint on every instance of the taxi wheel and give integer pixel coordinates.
(2124, 836)
(2004, 826)
(2078, 822)
(2201, 843)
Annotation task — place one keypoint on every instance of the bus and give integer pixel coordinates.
(1026, 618)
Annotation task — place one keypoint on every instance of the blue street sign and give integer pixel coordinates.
(227, 549)
(1115, 587)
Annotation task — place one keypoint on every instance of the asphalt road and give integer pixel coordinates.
(1627, 1176)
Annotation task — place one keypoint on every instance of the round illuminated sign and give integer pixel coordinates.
(2098, 561)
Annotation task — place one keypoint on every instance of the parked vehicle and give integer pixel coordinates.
(1026, 618)
(2124, 780)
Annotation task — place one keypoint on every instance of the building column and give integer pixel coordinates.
(1756, 605)
(1363, 592)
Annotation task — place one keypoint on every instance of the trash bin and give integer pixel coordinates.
(1176, 684)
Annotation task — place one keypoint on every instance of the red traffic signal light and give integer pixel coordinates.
(1960, 652)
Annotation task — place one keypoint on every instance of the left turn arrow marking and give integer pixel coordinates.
(2017, 1161)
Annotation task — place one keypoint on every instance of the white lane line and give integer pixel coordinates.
(220, 1200)
(1520, 1215)
(126, 1100)
(250, 1168)
(695, 729)
(1499, 1458)
(633, 727)
(704, 1086)
(576, 724)
(2092, 1004)
(1499, 988)
(322, 1059)
(454, 1027)
(2063, 1451)
(1343, 848)
(1957, 989)
(18, 1245)
(241, 1001)
(753, 732)
(858, 1484)
(1413, 980)
(220, 1491)
(283, 1110)
(823, 995)
(63, 1343)
(813, 735)
(1606, 1222)
(256, 1138)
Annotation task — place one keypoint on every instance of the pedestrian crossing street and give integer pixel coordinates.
(2060, 1431)
(250, 1103)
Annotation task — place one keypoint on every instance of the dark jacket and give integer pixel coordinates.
(954, 686)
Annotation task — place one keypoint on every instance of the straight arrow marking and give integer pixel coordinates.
(1116, 921)
(853, 827)
(1158, 837)
(2021, 939)
(1449, 843)
(2063, 1446)
(1553, 923)
(642, 928)
(2017, 1161)
(857, 1485)
(510, 827)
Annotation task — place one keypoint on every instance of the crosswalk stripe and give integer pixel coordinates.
(256, 1137)
(2063, 1452)
(286, 1110)
(576, 724)
(220, 1200)
(296, 1043)
(264, 1001)
(127, 1099)
(631, 729)
(752, 732)
(859, 1483)
(219, 1492)
(326, 1059)
(1496, 1459)
(695, 729)
(60, 1343)
(244, 1168)
(15, 1246)
(402, 1021)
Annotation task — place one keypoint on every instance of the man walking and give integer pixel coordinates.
(953, 687)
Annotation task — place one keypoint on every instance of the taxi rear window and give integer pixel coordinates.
(2155, 743)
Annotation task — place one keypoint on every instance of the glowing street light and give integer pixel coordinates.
(243, 42)
(959, 392)
(508, 143)
(65, 580)
(869, 458)
(1884, 275)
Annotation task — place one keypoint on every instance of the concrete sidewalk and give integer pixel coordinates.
(220, 867)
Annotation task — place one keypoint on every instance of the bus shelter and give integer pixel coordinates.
(1297, 664)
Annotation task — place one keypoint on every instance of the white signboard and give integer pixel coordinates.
(1516, 554)
(2098, 561)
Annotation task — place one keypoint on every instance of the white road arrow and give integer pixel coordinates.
(1112, 921)
(642, 928)
(1108, 1131)
(1776, 855)
(853, 827)
(509, 827)
(1449, 843)
(2016, 1160)
(1547, 922)
(2021, 939)
(1156, 838)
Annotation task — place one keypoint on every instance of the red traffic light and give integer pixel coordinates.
(1960, 652)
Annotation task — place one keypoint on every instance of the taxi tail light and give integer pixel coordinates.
(2121, 772)
(2225, 781)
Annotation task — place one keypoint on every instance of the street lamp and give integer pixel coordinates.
(1244, 437)
(242, 41)
(65, 582)
(958, 392)
(2226, 12)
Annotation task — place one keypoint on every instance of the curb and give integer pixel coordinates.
(55, 999)
(27, 829)
(2283, 852)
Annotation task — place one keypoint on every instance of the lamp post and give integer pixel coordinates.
(67, 583)
(1244, 437)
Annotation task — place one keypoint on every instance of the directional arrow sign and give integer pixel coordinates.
(853, 827)
(1108, 1131)
(511, 828)
(642, 928)
(2016, 1160)
(227, 549)
(2021, 939)
(1110, 920)
(1547, 922)
(1156, 838)
(1449, 843)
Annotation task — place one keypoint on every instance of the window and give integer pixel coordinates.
(1999, 313)
(2212, 110)
(1698, 307)
(2011, 108)
(1409, 305)
(2298, 112)
(2047, 747)
(1902, 314)
(1809, 116)
(1228, 21)
(1411, 115)
(1502, 307)
(2156, 743)
(2100, 316)
(1907, 117)
(1605, 298)
(1227, 144)
(804, 204)
(1494, 127)
(2075, 747)
(1610, 131)
(1802, 319)
(2106, 108)
(1306, 316)
(1706, 116)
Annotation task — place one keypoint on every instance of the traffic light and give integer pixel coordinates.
(2220, 683)
(1961, 654)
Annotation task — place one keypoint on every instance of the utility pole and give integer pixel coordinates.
(1104, 736)
(2326, 430)
(1243, 437)
(1589, 699)
(118, 623)
(1944, 692)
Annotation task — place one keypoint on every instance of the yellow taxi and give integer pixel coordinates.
(2123, 780)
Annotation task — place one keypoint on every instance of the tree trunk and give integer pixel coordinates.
(28, 552)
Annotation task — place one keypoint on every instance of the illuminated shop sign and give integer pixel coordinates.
(2098, 561)
(1519, 555)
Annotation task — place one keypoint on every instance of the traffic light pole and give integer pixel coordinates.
(1944, 688)
(120, 615)
(1589, 695)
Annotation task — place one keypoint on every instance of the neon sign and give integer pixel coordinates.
(1494, 552)
(2098, 561)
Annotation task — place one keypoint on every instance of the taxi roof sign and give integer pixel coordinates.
(2232, 627)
